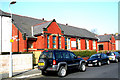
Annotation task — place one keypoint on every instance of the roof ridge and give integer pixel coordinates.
(41, 23)
(71, 26)
(104, 34)
(25, 16)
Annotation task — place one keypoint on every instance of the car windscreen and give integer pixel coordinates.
(95, 56)
(46, 55)
(110, 54)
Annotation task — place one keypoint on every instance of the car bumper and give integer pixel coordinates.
(52, 68)
(92, 64)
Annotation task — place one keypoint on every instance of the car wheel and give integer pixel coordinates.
(62, 72)
(43, 72)
(108, 62)
(83, 68)
(99, 63)
(116, 60)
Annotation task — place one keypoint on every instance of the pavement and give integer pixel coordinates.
(21, 74)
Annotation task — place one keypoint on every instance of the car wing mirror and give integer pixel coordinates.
(75, 57)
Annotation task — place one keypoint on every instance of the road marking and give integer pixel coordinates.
(26, 76)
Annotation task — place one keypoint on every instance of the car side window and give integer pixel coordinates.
(72, 55)
(58, 55)
(66, 55)
(102, 56)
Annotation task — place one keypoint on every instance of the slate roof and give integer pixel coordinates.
(39, 28)
(24, 24)
(4, 13)
(117, 37)
(104, 38)
(79, 32)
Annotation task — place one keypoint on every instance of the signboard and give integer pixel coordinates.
(73, 44)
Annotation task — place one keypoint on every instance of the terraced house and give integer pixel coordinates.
(31, 34)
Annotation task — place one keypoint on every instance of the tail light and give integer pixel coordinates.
(38, 60)
(115, 55)
(54, 62)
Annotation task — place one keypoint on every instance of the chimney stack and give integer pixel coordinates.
(42, 18)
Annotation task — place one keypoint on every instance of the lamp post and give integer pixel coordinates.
(10, 58)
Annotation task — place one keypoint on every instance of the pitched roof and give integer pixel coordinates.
(104, 38)
(117, 37)
(24, 24)
(39, 28)
(74, 31)
(2, 13)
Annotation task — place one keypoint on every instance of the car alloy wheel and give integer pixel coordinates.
(116, 60)
(83, 68)
(99, 63)
(108, 62)
(62, 72)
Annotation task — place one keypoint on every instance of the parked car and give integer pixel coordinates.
(60, 61)
(114, 56)
(98, 60)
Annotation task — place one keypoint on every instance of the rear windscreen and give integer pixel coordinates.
(46, 55)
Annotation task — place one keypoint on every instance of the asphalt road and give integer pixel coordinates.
(105, 71)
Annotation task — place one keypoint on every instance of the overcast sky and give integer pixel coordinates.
(89, 14)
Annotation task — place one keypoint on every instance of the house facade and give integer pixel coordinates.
(106, 42)
(31, 34)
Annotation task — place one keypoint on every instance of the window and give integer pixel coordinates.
(54, 41)
(30, 44)
(66, 55)
(48, 42)
(68, 45)
(59, 42)
(58, 55)
(72, 55)
(87, 44)
(65, 43)
(78, 43)
(94, 44)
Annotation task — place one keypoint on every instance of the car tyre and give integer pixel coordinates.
(108, 62)
(43, 72)
(99, 63)
(62, 71)
(83, 68)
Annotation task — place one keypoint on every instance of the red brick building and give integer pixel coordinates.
(106, 42)
(30, 34)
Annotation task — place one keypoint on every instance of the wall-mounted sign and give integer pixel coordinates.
(73, 44)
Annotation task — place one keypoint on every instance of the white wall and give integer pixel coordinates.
(117, 42)
(0, 34)
(21, 62)
(6, 34)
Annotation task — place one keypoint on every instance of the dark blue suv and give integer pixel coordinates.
(59, 61)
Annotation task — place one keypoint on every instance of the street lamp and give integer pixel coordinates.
(10, 61)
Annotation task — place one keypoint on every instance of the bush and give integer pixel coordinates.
(85, 53)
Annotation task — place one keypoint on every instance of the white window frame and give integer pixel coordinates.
(79, 45)
(87, 41)
(68, 43)
(94, 44)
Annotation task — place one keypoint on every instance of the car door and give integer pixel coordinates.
(103, 58)
(75, 61)
(67, 58)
